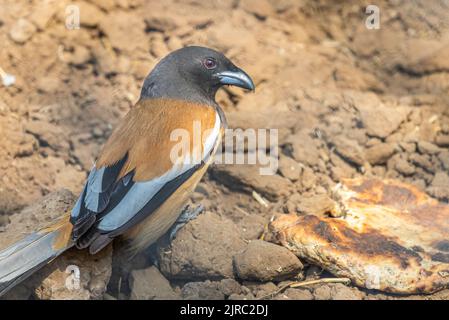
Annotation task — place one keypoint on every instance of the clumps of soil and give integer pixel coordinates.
(347, 102)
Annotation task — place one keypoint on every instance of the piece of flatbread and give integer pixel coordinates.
(390, 236)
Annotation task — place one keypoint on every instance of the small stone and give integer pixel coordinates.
(404, 167)
(174, 43)
(381, 121)
(262, 289)
(95, 272)
(444, 159)
(47, 84)
(106, 5)
(48, 135)
(260, 8)
(202, 249)
(251, 225)
(316, 205)
(247, 296)
(230, 287)
(42, 15)
(408, 147)
(124, 31)
(349, 150)
(425, 147)
(249, 179)
(298, 294)
(340, 291)
(158, 47)
(264, 261)
(308, 179)
(442, 141)
(421, 161)
(305, 149)
(207, 290)
(380, 153)
(90, 15)
(4, 220)
(440, 186)
(150, 284)
(322, 293)
(79, 56)
(162, 23)
(289, 168)
(22, 31)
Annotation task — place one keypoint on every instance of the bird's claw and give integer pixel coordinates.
(187, 215)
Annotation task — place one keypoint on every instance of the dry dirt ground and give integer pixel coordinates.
(347, 101)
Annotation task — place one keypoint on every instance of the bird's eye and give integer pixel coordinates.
(210, 63)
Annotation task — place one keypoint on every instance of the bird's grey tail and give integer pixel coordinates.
(28, 255)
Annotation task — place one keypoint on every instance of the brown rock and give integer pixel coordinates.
(106, 60)
(340, 291)
(78, 56)
(440, 186)
(264, 261)
(305, 149)
(381, 121)
(308, 178)
(90, 15)
(408, 147)
(349, 150)
(150, 284)
(425, 147)
(248, 178)
(380, 153)
(48, 135)
(340, 169)
(296, 294)
(42, 14)
(203, 249)
(422, 161)
(317, 205)
(206, 290)
(94, 274)
(211, 290)
(125, 32)
(260, 8)
(404, 167)
(442, 140)
(160, 23)
(4, 220)
(22, 31)
(289, 168)
(260, 290)
(106, 5)
(158, 47)
(47, 84)
(322, 293)
(337, 291)
(251, 225)
(444, 159)
(425, 56)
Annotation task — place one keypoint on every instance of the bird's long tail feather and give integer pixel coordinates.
(23, 258)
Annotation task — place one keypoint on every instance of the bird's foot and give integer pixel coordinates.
(187, 215)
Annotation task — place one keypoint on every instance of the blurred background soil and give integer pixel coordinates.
(347, 101)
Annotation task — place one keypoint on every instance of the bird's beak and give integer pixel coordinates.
(237, 78)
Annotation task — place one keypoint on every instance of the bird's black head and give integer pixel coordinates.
(194, 74)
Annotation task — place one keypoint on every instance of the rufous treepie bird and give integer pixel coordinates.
(137, 189)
